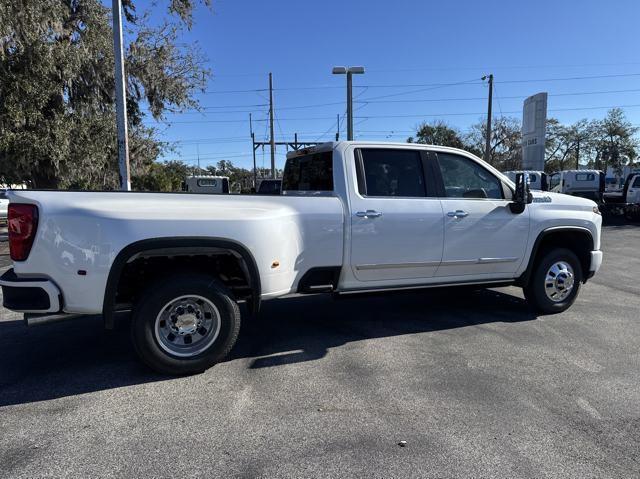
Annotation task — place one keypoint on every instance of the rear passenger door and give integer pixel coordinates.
(481, 234)
(396, 219)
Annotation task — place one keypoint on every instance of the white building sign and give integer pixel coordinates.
(534, 127)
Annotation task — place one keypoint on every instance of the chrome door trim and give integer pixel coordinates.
(458, 262)
(364, 267)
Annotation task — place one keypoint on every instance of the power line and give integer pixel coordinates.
(512, 67)
(506, 112)
(572, 78)
(413, 115)
(433, 86)
(514, 97)
(215, 92)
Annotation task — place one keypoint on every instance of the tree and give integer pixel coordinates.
(437, 133)
(163, 176)
(506, 142)
(566, 144)
(615, 144)
(57, 110)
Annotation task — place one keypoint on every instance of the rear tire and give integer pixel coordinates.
(555, 282)
(185, 324)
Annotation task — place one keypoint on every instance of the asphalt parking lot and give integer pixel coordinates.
(474, 382)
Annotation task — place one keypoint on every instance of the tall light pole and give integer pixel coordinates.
(487, 148)
(121, 99)
(272, 140)
(349, 71)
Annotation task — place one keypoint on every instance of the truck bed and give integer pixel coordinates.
(85, 231)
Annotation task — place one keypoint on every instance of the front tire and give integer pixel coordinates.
(555, 282)
(185, 324)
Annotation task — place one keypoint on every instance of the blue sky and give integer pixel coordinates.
(413, 52)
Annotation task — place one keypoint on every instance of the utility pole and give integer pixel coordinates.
(338, 127)
(487, 148)
(121, 100)
(198, 150)
(349, 105)
(253, 141)
(272, 140)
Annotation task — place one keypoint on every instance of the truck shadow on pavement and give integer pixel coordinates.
(79, 356)
(299, 329)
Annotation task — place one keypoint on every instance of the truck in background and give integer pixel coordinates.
(207, 184)
(615, 179)
(588, 184)
(625, 202)
(538, 180)
(592, 184)
(269, 186)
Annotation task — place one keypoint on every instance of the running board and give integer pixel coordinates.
(37, 319)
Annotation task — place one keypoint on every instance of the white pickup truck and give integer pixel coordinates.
(353, 217)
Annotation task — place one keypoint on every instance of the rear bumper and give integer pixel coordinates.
(29, 295)
(596, 262)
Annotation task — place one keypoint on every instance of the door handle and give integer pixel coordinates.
(457, 214)
(368, 214)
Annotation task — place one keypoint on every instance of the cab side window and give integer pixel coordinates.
(464, 178)
(386, 172)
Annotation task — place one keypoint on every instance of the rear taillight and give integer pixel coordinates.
(23, 223)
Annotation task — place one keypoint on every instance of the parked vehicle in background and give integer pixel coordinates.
(207, 184)
(584, 183)
(615, 179)
(626, 201)
(4, 203)
(269, 186)
(353, 217)
(538, 180)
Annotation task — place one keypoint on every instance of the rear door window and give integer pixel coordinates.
(313, 172)
(384, 172)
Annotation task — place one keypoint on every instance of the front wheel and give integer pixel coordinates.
(555, 282)
(185, 324)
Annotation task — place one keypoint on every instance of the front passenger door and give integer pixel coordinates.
(481, 234)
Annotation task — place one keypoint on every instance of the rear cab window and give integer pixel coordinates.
(309, 173)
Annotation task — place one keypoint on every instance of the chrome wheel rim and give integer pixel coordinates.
(186, 326)
(559, 281)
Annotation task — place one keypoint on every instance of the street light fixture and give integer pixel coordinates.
(349, 71)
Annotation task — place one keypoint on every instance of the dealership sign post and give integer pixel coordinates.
(534, 126)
